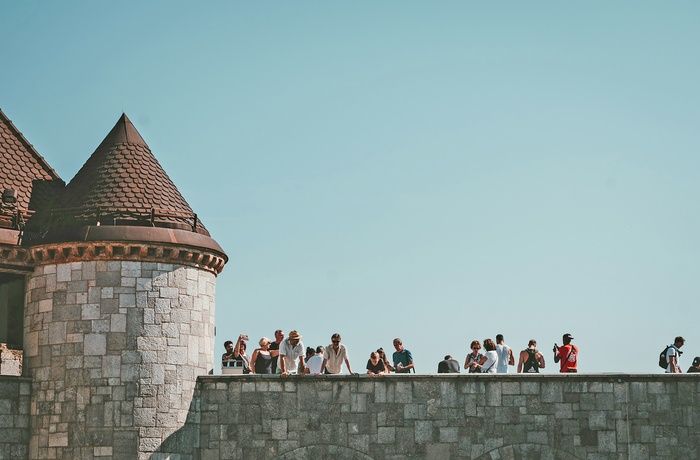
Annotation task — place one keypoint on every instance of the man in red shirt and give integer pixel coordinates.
(567, 354)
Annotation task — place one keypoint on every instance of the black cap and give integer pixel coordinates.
(567, 337)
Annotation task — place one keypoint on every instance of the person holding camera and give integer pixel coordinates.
(239, 353)
(567, 354)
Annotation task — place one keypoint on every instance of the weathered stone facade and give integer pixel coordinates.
(14, 417)
(442, 417)
(114, 349)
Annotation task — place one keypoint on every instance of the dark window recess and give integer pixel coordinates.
(12, 310)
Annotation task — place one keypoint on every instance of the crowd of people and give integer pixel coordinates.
(287, 356)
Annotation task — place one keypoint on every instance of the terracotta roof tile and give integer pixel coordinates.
(24, 170)
(122, 176)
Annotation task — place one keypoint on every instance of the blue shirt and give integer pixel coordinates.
(404, 357)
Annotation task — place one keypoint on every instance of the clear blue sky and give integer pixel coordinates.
(440, 172)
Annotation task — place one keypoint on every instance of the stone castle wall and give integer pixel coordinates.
(14, 417)
(419, 417)
(114, 350)
(441, 417)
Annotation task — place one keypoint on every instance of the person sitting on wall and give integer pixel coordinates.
(227, 359)
(403, 360)
(448, 366)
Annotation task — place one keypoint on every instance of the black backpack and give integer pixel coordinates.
(663, 364)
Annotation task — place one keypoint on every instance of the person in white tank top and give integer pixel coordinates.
(505, 355)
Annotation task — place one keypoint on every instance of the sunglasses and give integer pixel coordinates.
(336, 341)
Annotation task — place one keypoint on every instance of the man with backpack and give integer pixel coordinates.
(672, 355)
(531, 360)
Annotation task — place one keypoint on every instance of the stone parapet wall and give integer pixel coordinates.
(114, 349)
(446, 416)
(14, 417)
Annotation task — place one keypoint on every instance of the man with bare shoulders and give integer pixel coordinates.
(531, 360)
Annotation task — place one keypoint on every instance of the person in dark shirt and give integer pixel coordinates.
(275, 348)
(448, 366)
(695, 368)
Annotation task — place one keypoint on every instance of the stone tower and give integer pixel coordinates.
(119, 308)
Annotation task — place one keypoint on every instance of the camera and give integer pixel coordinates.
(556, 347)
(244, 336)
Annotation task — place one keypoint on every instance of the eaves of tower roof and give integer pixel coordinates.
(24, 170)
(122, 183)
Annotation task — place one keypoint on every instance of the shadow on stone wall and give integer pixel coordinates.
(184, 443)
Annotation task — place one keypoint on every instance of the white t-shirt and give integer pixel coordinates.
(314, 364)
(291, 356)
(503, 355)
(491, 363)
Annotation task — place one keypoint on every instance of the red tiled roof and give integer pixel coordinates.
(123, 183)
(24, 170)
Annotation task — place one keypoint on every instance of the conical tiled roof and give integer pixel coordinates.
(122, 183)
(24, 170)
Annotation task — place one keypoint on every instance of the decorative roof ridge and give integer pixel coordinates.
(30, 148)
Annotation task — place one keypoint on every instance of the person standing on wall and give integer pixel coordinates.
(673, 354)
(531, 360)
(403, 359)
(336, 354)
(505, 355)
(567, 354)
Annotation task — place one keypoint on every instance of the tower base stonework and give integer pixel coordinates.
(114, 349)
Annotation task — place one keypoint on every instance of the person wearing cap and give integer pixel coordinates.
(291, 350)
(336, 354)
(567, 354)
(695, 368)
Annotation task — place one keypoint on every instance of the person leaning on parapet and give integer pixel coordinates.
(227, 359)
(275, 348)
(673, 354)
(567, 354)
(291, 350)
(403, 359)
(387, 365)
(448, 366)
(531, 360)
(375, 366)
(314, 364)
(335, 355)
(695, 368)
(505, 355)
